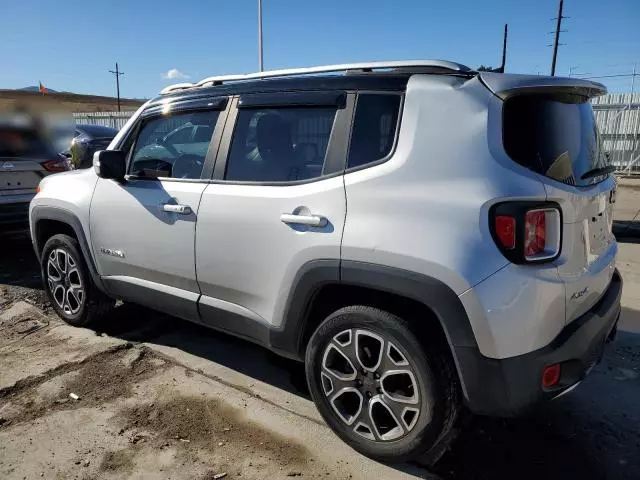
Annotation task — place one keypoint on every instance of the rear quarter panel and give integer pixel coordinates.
(425, 209)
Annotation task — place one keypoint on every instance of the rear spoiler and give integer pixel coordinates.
(505, 85)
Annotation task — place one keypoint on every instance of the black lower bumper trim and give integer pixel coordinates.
(13, 213)
(511, 386)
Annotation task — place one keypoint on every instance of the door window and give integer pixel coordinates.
(374, 128)
(173, 146)
(279, 144)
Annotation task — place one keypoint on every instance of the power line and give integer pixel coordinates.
(117, 73)
(611, 76)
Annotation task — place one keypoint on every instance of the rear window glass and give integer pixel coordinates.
(23, 143)
(554, 135)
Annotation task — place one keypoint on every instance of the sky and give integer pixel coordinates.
(71, 45)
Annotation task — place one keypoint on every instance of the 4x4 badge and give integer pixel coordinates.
(580, 293)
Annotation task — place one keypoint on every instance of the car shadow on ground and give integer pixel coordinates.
(627, 231)
(562, 439)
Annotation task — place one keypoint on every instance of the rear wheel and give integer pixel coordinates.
(379, 388)
(68, 284)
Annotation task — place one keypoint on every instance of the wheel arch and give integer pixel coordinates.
(49, 221)
(318, 292)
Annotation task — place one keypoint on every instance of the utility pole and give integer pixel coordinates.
(557, 37)
(504, 48)
(260, 61)
(117, 73)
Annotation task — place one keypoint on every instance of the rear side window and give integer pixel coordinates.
(279, 144)
(374, 128)
(554, 135)
(166, 146)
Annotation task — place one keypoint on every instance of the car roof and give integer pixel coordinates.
(370, 81)
(97, 130)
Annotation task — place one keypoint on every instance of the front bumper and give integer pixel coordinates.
(511, 386)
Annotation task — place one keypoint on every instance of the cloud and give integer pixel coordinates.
(174, 74)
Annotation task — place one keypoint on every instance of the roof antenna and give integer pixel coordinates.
(504, 50)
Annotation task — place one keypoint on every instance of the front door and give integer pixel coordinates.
(143, 230)
(275, 206)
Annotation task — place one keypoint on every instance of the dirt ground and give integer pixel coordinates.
(161, 398)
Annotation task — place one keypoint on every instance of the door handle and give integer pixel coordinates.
(310, 220)
(179, 209)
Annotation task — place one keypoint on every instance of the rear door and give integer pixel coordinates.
(555, 134)
(277, 202)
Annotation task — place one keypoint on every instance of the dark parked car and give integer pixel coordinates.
(88, 139)
(26, 157)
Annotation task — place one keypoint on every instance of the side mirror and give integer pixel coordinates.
(110, 164)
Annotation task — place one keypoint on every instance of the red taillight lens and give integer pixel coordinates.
(527, 231)
(534, 232)
(56, 165)
(551, 375)
(506, 231)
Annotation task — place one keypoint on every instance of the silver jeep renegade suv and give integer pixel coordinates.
(423, 236)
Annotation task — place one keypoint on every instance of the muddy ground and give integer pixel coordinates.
(162, 398)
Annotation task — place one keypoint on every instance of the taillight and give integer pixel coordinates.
(56, 165)
(506, 231)
(527, 232)
(534, 232)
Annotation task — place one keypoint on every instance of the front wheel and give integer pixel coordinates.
(378, 387)
(68, 283)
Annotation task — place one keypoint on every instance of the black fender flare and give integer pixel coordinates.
(69, 218)
(429, 291)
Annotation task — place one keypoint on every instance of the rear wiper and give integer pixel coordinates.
(596, 172)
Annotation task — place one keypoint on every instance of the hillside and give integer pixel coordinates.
(62, 102)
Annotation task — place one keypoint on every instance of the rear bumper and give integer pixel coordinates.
(511, 386)
(14, 214)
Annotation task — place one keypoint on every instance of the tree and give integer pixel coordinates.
(482, 68)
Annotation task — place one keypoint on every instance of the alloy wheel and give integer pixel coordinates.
(64, 281)
(371, 385)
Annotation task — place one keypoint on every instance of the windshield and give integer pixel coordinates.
(554, 135)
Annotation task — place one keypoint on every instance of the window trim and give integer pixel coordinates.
(396, 137)
(212, 150)
(335, 155)
(330, 98)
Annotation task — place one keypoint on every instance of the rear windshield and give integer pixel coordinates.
(16, 143)
(554, 135)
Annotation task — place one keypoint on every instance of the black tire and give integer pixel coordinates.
(439, 400)
(88, 308)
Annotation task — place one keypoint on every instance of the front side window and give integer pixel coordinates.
(374, 128)
(168, 146)
(555, 135)
(279, 144)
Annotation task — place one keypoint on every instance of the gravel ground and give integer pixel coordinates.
(221, 405)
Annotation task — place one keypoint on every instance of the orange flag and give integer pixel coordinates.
(42, 88)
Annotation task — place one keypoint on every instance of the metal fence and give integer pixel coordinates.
(618, 119)
(108, 119)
